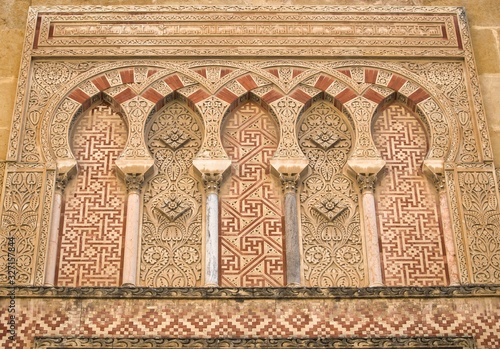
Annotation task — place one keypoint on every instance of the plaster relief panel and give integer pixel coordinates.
(90, 252)
(409, 226)
(171, 229)
(251, 233)
(330, 220)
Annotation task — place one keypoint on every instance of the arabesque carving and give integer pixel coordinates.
(20, 220)
(331, 232)
(482, 224)
(377, 47)
(172, 220)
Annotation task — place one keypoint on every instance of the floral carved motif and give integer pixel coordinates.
(362, 110)
(482, 222)
(212, 109)
(171, 232)
(21, 211)
(333, 254)
(287, 110)
(137, 110)
(450, 78)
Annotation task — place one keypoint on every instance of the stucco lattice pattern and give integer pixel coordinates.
(412, 247)
(251, 242)
(94, 213)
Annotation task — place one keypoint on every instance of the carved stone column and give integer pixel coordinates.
(212, 182)
(367, 185)
(52, 248)
(292, 239)
(131, 247)
(365, 172)
(289, 171)
(211, 171)
(449, 243)
(434, 170)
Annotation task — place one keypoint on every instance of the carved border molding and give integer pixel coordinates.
(346, 343)
(254, 293)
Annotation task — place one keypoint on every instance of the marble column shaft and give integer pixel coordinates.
(367, 184)
(449, 242)
(52, 248)
(212, 182)
(131, 247)
(292, 238)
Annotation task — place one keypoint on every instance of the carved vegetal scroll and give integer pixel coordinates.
(480, 206)
(20, 218)
(171, 252)
(407, 205)
(331, 233)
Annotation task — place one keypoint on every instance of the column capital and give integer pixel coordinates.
(366, 183)
(434, 170)
(212, 181)
(134, 182)
(61, 182)
(438, 179)
(289, 182)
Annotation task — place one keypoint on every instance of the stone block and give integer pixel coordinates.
(486, 50)
(490, 85)
(4, 141)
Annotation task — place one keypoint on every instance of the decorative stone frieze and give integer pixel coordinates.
(127, 57)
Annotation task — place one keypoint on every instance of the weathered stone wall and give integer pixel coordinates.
(483, 15)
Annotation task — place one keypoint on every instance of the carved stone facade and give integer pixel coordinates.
(188, 98)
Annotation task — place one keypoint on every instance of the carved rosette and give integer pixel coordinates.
(171, 239)
(331, 230)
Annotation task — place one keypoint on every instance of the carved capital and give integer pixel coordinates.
(211, 181)
(366, 183)
(289, 182)
(438, 180)
(61, 182)
(134, 182)
(434, 170)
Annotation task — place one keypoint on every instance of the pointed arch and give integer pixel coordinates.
(330, 217)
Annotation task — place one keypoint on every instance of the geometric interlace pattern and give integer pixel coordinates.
(408, 221)
(93, 221)
(251, 238)
(331, 234)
